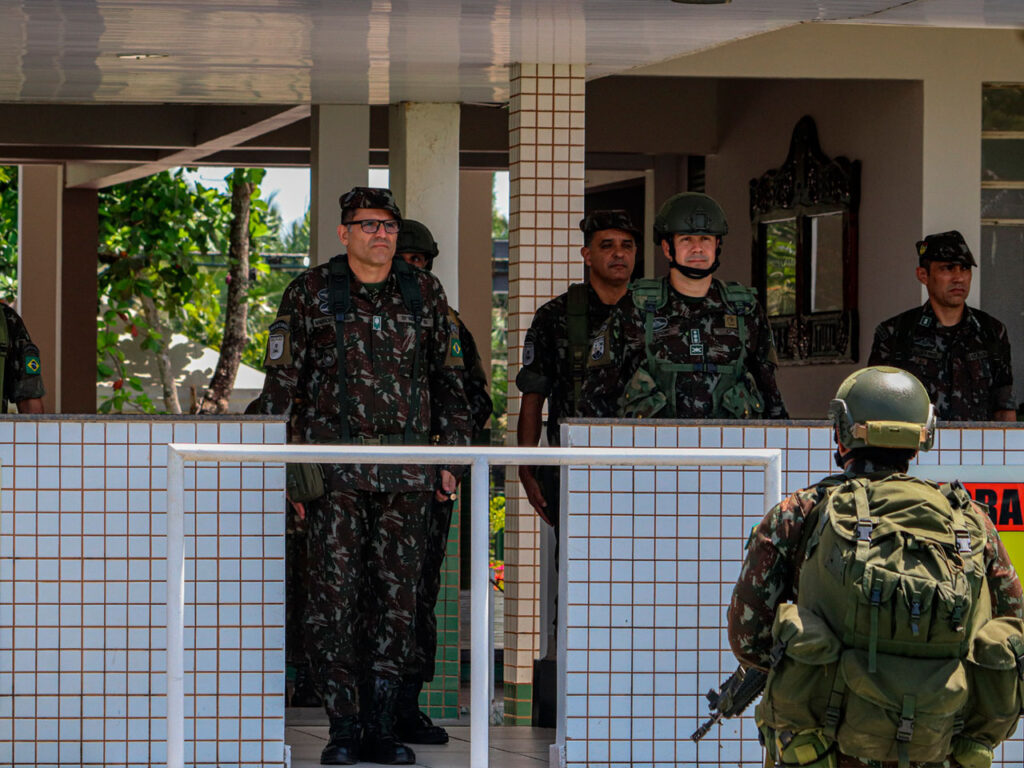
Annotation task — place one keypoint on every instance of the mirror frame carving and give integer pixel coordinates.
(808, 184)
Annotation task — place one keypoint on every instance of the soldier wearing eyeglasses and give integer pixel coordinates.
(360, 353)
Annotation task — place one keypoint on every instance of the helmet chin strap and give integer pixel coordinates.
(692, 272)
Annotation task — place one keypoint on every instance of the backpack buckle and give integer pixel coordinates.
(905, 731)
(963, 541)
(864, 529)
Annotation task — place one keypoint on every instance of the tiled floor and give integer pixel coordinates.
(510, 747)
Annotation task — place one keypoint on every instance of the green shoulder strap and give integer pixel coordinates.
(578, 333)
(409, 285)
(340, 287)
(649, 294)
(5, 343)
(741, 299)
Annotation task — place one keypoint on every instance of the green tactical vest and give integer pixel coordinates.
(652, 389)
(891, 652)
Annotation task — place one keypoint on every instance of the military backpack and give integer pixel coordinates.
(891, 653)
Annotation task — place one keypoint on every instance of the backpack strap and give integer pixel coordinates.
(340, 292)
(649, 294)
(577, 332)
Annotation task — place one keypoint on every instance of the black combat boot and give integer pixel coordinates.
(380, 745)
(343, 746)
(412, 725)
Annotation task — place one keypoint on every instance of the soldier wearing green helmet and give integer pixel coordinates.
(878, 603)
(692, 346)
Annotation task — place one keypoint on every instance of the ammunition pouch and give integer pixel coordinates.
(304, 482)
(742, 400)
(644, 398)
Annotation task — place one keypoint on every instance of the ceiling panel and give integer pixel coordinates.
(381, 51)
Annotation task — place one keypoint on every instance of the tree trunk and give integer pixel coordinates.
(217, 396)
(163, 359)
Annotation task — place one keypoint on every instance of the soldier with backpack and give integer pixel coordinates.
(22, 382)
(692, 346)
(567, 346)
(884, 608)
(361, 354)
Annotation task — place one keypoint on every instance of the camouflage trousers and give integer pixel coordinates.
(439, 521)
(365, 553)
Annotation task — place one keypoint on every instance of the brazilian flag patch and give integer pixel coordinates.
(456, 348)
(32, 364)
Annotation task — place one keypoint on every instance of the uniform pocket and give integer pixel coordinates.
(994, 672)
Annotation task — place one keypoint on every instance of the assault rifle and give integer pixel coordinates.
(739, 689)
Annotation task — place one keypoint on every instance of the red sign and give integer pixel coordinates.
(1004, 502)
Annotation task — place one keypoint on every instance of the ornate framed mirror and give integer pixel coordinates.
(804, 221)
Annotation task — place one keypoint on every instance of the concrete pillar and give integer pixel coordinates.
(79, 236)
(423, 160)
(339, 160)
(475, 271)
(546, 175)
(40, 285)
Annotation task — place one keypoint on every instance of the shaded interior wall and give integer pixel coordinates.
(877, 122)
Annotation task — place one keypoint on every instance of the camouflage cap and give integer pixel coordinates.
(616, 218)
(368, 197)
(945, 246)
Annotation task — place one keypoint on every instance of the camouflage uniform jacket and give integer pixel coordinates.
(22, 370)
(474, 380)
(771, 571)
(965, 367)
(547, 366)
(302, 368)
(698, 331)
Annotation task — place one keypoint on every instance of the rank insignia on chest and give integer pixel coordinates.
(925, 322)
(731, 321)
(697, 350)
(694, 337)
(597, 348)
(377, 322)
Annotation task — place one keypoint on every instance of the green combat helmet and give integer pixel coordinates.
(690, 213)
(883, 407)
(414, 237)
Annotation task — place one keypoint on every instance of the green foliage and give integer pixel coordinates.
(499, 224)
(1002, 108)
(150, 230)
(499, 368)
(8, 232)
(497, 514)
(780, 249)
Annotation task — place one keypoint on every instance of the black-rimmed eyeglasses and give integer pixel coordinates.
(370, 226)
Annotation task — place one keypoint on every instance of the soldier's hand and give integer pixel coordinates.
(447, 490)
(533, 493)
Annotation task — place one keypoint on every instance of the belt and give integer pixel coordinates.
(845, 761)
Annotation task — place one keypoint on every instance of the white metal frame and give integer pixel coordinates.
(480, 459)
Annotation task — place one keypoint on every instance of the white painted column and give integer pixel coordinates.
(339, 160)
(951, 160)
(423, 160)
(40, 226)
(546, 167)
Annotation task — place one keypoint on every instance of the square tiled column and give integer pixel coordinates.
(546, 138)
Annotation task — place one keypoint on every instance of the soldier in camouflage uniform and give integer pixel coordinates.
(22, 372)
(416, 246)
(397, 385)
(960, 353)
(567, 344)
(691, 346)
(777, 547)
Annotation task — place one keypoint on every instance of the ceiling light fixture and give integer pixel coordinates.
(141, 56)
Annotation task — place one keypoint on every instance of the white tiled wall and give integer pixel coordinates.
(82, 595)
(650, 559)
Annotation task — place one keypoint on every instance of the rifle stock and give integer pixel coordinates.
(735, 695)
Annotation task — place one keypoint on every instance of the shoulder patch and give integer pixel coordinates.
(33, 366)
(528, 352)
(279, 343)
